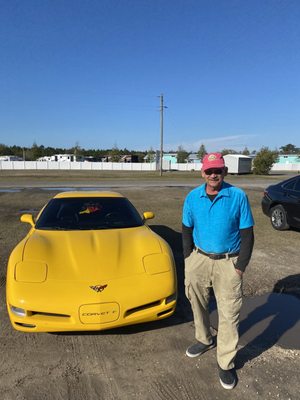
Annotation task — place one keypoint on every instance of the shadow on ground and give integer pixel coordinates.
(271, 319)
(174, 239)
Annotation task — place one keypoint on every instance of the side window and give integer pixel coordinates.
(290, 185)
(297, 186)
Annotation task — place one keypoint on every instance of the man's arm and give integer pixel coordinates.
(187, 241)
(247, 242)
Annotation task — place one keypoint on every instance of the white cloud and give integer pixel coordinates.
(235, 142)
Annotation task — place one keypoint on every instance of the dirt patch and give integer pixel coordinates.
(147, 361)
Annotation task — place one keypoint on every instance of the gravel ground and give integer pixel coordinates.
(148, 361)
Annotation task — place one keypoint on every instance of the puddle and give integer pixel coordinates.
(29, 211)
(71, 189)
(8, 190)
(268, 320)
(77, 189)
(62, 189)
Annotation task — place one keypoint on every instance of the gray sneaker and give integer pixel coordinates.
(228, 378)
(199, 348)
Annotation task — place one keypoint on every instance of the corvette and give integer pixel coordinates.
(89, 262)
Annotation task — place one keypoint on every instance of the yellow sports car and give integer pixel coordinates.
(89, 262)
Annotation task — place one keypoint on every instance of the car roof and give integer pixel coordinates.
(289, 179)
(86, 193)
(284, 182)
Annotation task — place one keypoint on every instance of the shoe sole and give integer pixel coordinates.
(226, 386)
(203, 351)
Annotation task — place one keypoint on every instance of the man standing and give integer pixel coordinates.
(217, 232)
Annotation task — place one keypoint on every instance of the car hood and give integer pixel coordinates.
(87, 255)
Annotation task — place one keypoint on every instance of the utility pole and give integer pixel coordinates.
(161, 133)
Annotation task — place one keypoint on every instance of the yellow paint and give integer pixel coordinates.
(53, 276)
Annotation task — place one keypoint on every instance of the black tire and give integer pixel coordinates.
(278, 218)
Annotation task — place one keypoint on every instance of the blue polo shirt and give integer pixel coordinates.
(216, 225)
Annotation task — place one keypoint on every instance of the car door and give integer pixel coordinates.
(292, 204)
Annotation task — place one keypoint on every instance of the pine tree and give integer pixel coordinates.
(201, 152)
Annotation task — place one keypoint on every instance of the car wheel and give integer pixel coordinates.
(278, 218)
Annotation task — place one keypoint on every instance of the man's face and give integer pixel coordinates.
(214, 178)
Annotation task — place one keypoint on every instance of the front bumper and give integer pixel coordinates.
(129, 301)
(47, 322)
(266, 205)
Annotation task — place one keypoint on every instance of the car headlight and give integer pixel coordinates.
(157, 263)
(20, 312)
(31, 271)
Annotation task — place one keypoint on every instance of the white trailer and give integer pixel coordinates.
(10, 158)
(66, 157)
(238, 164)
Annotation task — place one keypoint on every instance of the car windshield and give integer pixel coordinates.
(89, 213)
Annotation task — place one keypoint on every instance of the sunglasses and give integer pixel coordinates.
(215, 171)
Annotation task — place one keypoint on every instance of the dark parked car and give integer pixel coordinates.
(281, 203)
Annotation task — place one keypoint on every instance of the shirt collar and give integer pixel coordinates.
(223, 192)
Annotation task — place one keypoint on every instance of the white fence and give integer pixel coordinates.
(111, 166)
(286, 167)
(94, 166)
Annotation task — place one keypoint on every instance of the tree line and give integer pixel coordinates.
(35, 151)
(263, 161)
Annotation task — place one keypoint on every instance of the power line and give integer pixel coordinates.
(161, 133)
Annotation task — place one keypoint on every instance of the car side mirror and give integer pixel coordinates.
(148, 215)
(28, 218)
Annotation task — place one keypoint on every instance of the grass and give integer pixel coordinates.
(12, 176)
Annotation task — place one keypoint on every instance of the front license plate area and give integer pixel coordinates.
(99, 313)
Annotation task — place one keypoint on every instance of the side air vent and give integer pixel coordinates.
(141, 308)
(44, 314)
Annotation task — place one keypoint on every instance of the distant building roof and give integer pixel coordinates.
(193, 155)
(237, 155)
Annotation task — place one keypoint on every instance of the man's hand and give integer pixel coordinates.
(238, 271)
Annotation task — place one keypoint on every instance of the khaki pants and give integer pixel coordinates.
(202, 273)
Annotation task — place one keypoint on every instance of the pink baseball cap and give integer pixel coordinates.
(213, 160)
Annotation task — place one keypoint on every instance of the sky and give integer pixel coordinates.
(91, 73)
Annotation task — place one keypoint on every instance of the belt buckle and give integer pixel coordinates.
(218, 256)
(214, 256)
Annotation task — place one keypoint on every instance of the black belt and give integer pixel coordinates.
(216, 256)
